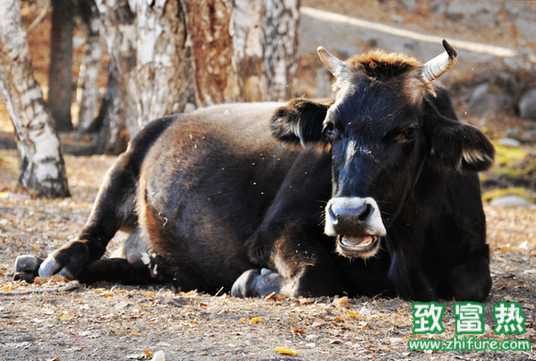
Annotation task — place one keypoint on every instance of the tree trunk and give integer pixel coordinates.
(243, 50)
(42, 166)
(162, 81)
(116, 109)
(207, 51)
(88, 89)
(60, 76)
(112, 137)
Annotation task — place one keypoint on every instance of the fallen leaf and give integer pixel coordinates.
(8, 287)
(65, 316)
(297, 331)
(255, 320)
(147, 353)
(353, 314)
(57, 279)
(275, 297)
(342, 302)
(285, 351)
(106, 293)
(38, 281)
(305, 301)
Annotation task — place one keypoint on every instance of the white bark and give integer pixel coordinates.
(87, 90)
(243, 50)
(161, 82)
(42, 165)
(119, 113)
(265, 47)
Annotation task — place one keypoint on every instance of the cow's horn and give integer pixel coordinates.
(335, 66)
(435, 67)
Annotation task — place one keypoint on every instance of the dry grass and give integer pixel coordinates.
(109, 322)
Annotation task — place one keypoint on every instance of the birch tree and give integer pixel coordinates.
(60, 76)
(42, 165)
(87, 87)
(169, 53)
(211, 51)
(243, 50)
(118, 30)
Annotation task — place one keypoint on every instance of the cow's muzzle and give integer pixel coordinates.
(357, 225)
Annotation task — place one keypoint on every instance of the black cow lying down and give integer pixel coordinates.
(374, 192)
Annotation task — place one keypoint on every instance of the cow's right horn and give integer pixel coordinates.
(437, 66)
(334, 65)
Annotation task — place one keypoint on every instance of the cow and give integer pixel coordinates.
(374, 191)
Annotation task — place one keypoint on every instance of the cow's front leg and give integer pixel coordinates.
(301, 264)
(257, 283)
(471, 280)
(296, 208)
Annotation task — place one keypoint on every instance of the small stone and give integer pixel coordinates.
(510, 201)
(159, 356)
(487, 100)
(509, 142)
(527, 105)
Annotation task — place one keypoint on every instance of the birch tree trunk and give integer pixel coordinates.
(119, 32)
(87, 89)
(162, 81)
(42, 166)
(60, 76)
(207, 51)
(243, 50)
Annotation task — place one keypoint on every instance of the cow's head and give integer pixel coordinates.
(385, 122)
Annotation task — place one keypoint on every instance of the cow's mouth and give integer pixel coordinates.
(363, 246)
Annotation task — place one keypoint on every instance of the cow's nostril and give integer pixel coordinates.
(367, 209)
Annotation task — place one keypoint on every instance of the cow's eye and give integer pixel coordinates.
(329, 131)
(402, 135)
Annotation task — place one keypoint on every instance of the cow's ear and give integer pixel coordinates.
(461, 146)
(299, 121)
(452, 143)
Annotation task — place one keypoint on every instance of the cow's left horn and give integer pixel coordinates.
(335, 66)
(437, 66)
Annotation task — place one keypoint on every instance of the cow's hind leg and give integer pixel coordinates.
(113, 209)
(116, 270)
(114, 205)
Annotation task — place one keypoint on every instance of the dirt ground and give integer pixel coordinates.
(112, 322)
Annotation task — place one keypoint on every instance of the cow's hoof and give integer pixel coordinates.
(256, 283)
(67, 261)
(26, 267)
(27, 263)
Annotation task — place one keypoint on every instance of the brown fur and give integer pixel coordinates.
(381, 65)
(394, 67)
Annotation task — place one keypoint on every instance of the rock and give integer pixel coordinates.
(480, 12)
(410, 5)
(509, 142)
(510, 201)
(489, 100)
(159, 356)
(527, 105)
(526, 28)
